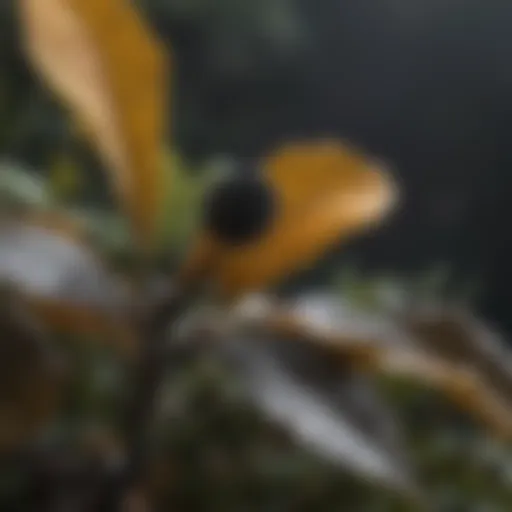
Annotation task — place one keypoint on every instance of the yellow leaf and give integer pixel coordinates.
(103, 62)
(325, 193)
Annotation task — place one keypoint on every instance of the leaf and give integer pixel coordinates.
(101, 59)
(336, 414)
(21, 186)
(64, 282)
(181, 218)
(330, 408)
(459, 337)
(326, 192)
(375, 345)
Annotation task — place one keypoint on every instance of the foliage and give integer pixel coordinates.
(283, 407)
(208, 430)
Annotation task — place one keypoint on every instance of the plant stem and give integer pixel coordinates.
(149, 374)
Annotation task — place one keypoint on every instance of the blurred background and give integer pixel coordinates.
(424, 85)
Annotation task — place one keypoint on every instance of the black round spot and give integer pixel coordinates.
(240, 209)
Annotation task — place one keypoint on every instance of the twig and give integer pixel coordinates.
(150, 372)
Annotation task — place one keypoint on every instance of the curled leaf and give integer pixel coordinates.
(326, 193)
(462, 338)
(104, 63)
(323, 193)
(62, 279)
(387, 347)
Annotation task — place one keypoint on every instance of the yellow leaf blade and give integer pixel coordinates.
(326, 193)
(103, 62)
